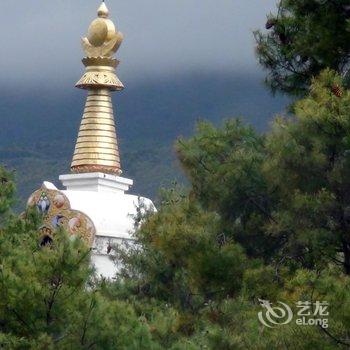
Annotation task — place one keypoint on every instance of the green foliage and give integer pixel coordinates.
(181, 257)
(309, 166)
(265, 217)
(284, 196)
(7, 190)
(49, 299)
(304, 37)
(224, 167)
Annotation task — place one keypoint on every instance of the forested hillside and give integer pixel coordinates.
(39, 125)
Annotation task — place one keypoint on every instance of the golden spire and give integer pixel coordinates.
(96, 149)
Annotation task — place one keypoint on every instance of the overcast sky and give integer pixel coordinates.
(41, 38)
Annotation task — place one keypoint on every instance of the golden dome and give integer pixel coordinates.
(100, 31)
(103, 39)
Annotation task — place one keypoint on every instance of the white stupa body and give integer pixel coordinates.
(103, 198)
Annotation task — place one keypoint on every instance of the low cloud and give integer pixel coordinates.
(41, 39)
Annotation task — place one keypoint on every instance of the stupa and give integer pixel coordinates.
(94, 205)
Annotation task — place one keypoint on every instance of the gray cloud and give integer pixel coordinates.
(40, 39)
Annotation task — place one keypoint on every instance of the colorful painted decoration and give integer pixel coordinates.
(58, 201)
(57, 221)
(74, 224)
(43, 203)
(56, 210)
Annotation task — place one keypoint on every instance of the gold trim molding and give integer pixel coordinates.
(100, 79)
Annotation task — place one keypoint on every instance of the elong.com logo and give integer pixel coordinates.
(309, 314)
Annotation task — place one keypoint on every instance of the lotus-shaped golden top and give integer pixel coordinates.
(103, 39)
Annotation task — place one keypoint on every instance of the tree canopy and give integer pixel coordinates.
(303, 38)
(265, 217)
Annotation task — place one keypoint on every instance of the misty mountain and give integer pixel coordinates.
(39, 125)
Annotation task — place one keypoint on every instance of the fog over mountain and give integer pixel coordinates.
(39, 127)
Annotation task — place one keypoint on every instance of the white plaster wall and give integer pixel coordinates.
(104, 266)
(112, 211)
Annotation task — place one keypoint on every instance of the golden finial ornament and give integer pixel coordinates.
(100, 45)
(103, 39)
(103, 11)
(97, 147)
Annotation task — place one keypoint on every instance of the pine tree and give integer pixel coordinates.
(278, 203)
(258, 222)
(7, 190)
(49, 298)
(284, 195)
(182, 256)
(309, 166)
(303, 38)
